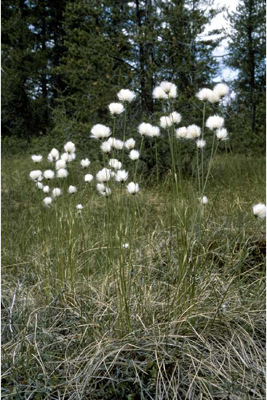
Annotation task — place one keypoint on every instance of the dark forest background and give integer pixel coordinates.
(63, 61)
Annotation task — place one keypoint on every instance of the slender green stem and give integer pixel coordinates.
(137, 161)
(202, 153)
(157, 162)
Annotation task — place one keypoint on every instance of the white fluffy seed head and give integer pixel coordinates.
(88, 178)
(100, 187)
(39, 185)
(204, 200)
(201, 143)
(144, 129)
(221, 89)
(221, 134)
(116, 108)
(214, 98)
(72, 189)
(47, 201)
(133, 188)
(181, 132)
(35, 175)
(121, 176)
(129, 144)
(62, 173)
(154, 131)
(126, 95)
(215, 122)
(159, 94)
(105, 147)
(46, 189)
(103, 175)
(134, 155)
(167, 86)
(56, 192)
(259, 210)
(71, 157)
(69, 147)
(53, 155)
(204, 94)
(79, 207)
(85, 163)
(65, 157)
(166, 122)
(49, 174)
(36, 159)
(106, 192)
(113, 163)
(193, 131)
(100, 131)
(175, 117)
(173, 92)
(118, 144)
(60, 164)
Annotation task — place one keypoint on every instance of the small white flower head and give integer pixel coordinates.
(69, 147)
(103, 190)
(100, 131)
(46, 189)
(134, 155)
(47, 201)
(118, 144)
(126, 95)
(116, 108)
(259, 210)
(166, 122)
(37, 159)
(85, 163)
(88, 178)
(56, 192)
(204, 200)
(53, 155)
(40, 178)
(112, 174)
(129, 144)
(100, 187)
(181, 132)
(72, 189)
(158, 93)
(175, 117)
(103, 175)
(60, 164)
(144, 129)
(121, 176)
(105, 147)
(173, 92)
(133, 188)
(154, 131)
(214, 98)
(35, 175)
(62, 173)
(39, 185)
(65, 157)
(169, 88)
(71, 157)
(204, 94)
(111, 141)
(125, 246)
(201, 143)
(113, 163)
(215, 122)
(193, 132)
(221, 89)
(49, 174)
(106, 192)
(221, 134)
(79, 208)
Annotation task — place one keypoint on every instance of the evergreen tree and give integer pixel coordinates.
(247, 56)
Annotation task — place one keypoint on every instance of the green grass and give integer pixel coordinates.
(178, 315)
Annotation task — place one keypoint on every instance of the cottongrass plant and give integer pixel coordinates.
(128, 273)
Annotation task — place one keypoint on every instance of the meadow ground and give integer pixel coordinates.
(179, 313)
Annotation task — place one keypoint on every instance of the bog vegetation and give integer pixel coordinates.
(120, 284)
